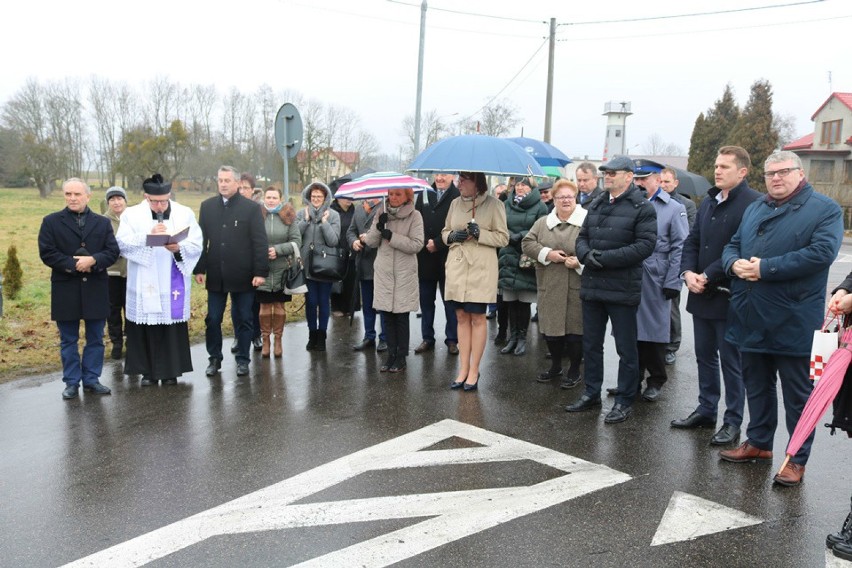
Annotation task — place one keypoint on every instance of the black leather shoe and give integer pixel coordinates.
(147, 381)
(845, 534)
(619, 413)
(569, 382)
(843, 550)
(213, 367)
(694, 420)
(257, 343)
(548, 376)
(242, 369)
(172, 381)
(453, 348)
(235, 346)
(651, 393)
(382, 346)
(97, 388)
(612, 391)
(398, 365)
(364, 344)
(71, 391)
(456, 384)
(727, 434)
(585, 402)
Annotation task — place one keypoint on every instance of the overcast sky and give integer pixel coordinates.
(363, 54)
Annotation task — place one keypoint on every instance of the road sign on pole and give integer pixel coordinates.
(288, 138)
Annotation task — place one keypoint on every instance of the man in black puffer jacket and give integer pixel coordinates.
(619, 232)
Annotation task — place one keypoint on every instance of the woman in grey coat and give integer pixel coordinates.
(318, 225)
(398, 234)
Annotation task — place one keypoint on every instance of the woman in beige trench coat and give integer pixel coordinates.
(551, 243)
(474, 230)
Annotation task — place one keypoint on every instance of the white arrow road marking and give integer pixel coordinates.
(831, 561)
(454, 514)
(688, 517)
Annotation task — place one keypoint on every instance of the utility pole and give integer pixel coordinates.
(548, 108)
(419, 105)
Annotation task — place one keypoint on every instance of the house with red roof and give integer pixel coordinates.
(826, 152)
(326, 165)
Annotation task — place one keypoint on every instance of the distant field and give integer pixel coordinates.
(29, 342)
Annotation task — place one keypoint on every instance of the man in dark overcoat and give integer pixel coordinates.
(78, 245)
(433, 207)
(234, 256)
(709, 287)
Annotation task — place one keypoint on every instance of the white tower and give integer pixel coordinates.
(616, 114)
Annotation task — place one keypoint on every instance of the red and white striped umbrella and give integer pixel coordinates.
(377, 184)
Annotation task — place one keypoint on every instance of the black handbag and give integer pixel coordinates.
(327, 264)
(294, 278)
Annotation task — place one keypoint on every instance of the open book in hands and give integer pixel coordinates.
(163, 239)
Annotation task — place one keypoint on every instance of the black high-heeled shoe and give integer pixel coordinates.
(472, 387)
(456, 384)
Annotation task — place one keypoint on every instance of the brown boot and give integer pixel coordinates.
(279, 318)
(265, 328)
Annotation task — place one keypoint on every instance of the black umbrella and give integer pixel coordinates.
(346, 178)
(690, 184)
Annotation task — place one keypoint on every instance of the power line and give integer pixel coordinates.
(692, 15)
(479, 15)
(506, 86)
(711, 30)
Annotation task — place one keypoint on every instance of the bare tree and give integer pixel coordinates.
(499, 118)
(785, 125)
(655, 146)
(432, 125)
(163, 103)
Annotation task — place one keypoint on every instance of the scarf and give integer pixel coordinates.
(275, 209)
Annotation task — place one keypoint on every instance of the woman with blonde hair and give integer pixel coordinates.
(398, 236)
(550, 242)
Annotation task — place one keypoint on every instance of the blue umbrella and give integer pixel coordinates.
(476, 153)
(544, 153)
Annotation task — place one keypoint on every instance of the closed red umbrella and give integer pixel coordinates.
(824, 392)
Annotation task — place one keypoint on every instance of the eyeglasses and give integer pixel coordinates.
(157, 201)
(565, 198)
(782, 173)
(611, 173)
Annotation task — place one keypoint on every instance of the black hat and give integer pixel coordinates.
(618, 164)
(644, 168)
(155, 185)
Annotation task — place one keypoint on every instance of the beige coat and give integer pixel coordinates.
(472, 265)
(395, 285)
(559, 308)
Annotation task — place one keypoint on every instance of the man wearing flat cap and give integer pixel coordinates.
(619, 232)
(661, 281)
(159, 278)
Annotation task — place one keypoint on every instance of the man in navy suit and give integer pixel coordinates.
(79, 245)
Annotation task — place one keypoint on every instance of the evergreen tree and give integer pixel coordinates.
(756, 131)
(698, 147)
(714, 129)
(12, 274)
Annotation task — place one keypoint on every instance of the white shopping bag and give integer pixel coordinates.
(824, 344)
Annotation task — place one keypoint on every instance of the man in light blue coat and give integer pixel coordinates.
(661, 281)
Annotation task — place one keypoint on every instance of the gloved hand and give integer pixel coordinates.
(473, 229)
(593, 259)
(670, 293)
(457, 237)
(387, 234)
(515, 239)
(381, 222)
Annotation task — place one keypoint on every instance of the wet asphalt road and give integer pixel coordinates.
(82, 476)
